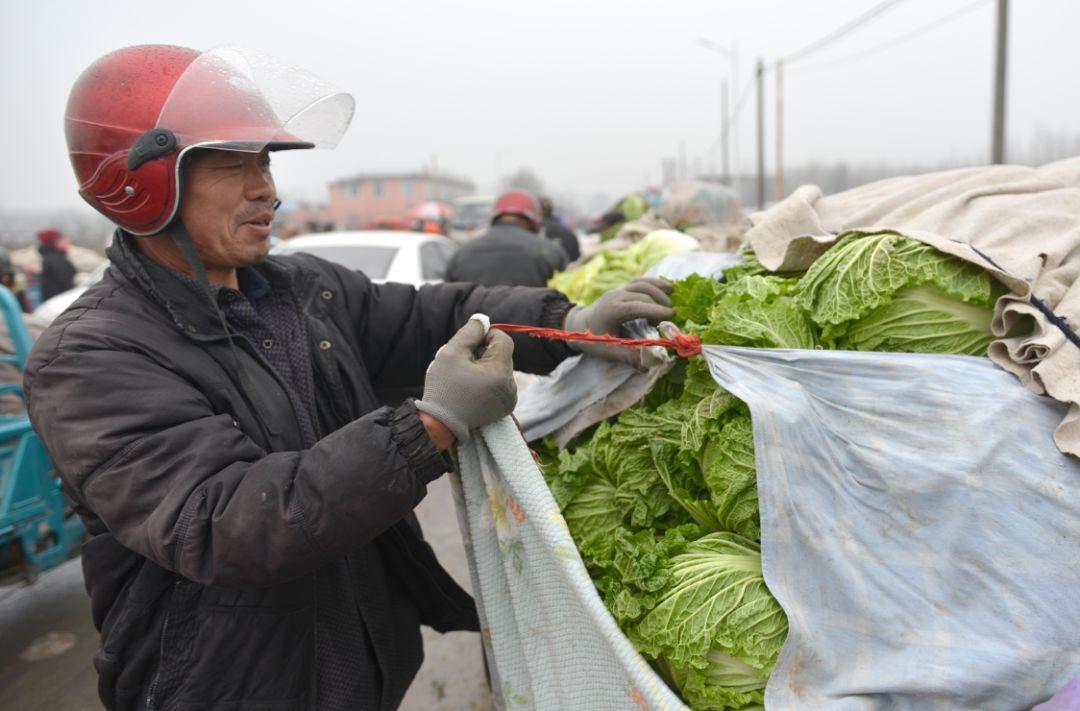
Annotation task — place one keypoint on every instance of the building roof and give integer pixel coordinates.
(442, 178)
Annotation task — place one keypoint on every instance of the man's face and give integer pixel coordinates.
(227, 206)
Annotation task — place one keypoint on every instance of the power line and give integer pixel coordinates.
(743, 96)
(889, 44)
(842, 31)
(732, 116)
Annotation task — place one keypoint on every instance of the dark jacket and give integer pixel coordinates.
(209, 521)
(57, 272)
(506, 255)
(563, 236)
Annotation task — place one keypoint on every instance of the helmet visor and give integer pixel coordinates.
(237, 99)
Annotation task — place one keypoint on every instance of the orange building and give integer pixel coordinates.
(365, 198)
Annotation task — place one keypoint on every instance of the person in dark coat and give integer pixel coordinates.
(555, 230)
(57, 271)
(219, 417)
(9, 280)
(511, 252)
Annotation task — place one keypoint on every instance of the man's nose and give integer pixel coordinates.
(259, 184)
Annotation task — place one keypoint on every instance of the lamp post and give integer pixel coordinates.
(759, 72)
(727, 132)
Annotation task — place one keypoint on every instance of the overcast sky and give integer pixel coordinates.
(591, 94)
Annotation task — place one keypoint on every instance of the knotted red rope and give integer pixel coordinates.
(684, 344)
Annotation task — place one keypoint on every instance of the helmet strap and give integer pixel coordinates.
(182, 238)
(155, 143)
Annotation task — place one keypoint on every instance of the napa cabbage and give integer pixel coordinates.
(663, 499)
(615, 268)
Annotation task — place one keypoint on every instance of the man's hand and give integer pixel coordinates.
(464, 391)
(440, 434)
(645, 297)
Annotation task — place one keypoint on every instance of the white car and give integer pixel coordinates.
(472, 215)
(383, 255)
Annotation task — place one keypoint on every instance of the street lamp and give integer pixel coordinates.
(732, 55)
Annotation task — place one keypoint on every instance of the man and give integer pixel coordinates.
(556, 231)
(57, 271)
(511, 252)
(215, 415)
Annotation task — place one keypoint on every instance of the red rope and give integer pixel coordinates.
(684, 344)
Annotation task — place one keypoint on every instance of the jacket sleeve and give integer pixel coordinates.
(183, 486)
(400, 327)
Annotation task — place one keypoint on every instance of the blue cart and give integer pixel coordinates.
(37, 529)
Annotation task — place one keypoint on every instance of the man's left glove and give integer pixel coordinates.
(644, 297)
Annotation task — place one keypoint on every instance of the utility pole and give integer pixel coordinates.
(779, 130)
(997, 145)
(760, 71)
(724, 134)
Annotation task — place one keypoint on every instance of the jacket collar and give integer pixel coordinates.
(189, 310)
(512, 230)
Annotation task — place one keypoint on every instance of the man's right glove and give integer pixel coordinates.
(644, 297)
(464, 391)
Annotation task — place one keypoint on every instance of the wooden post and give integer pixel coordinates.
(997, 139)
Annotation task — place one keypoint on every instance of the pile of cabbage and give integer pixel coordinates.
(614, 268)
(662, 500)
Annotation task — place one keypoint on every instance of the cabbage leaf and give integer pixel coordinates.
(615, 268)
(921, 319)
(717, 600)
(862, 273)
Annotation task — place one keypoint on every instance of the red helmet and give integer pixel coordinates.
(520, 203)
(134, 113)
(50, 237)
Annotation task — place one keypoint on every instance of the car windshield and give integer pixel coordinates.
(372, 261)
(474, 214)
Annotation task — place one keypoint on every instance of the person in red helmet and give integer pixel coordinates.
(237, 431)
(511, 252)
(555, 230)
(57, 271)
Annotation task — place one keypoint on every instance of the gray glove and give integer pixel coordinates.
(644, 297)
(465, 391)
